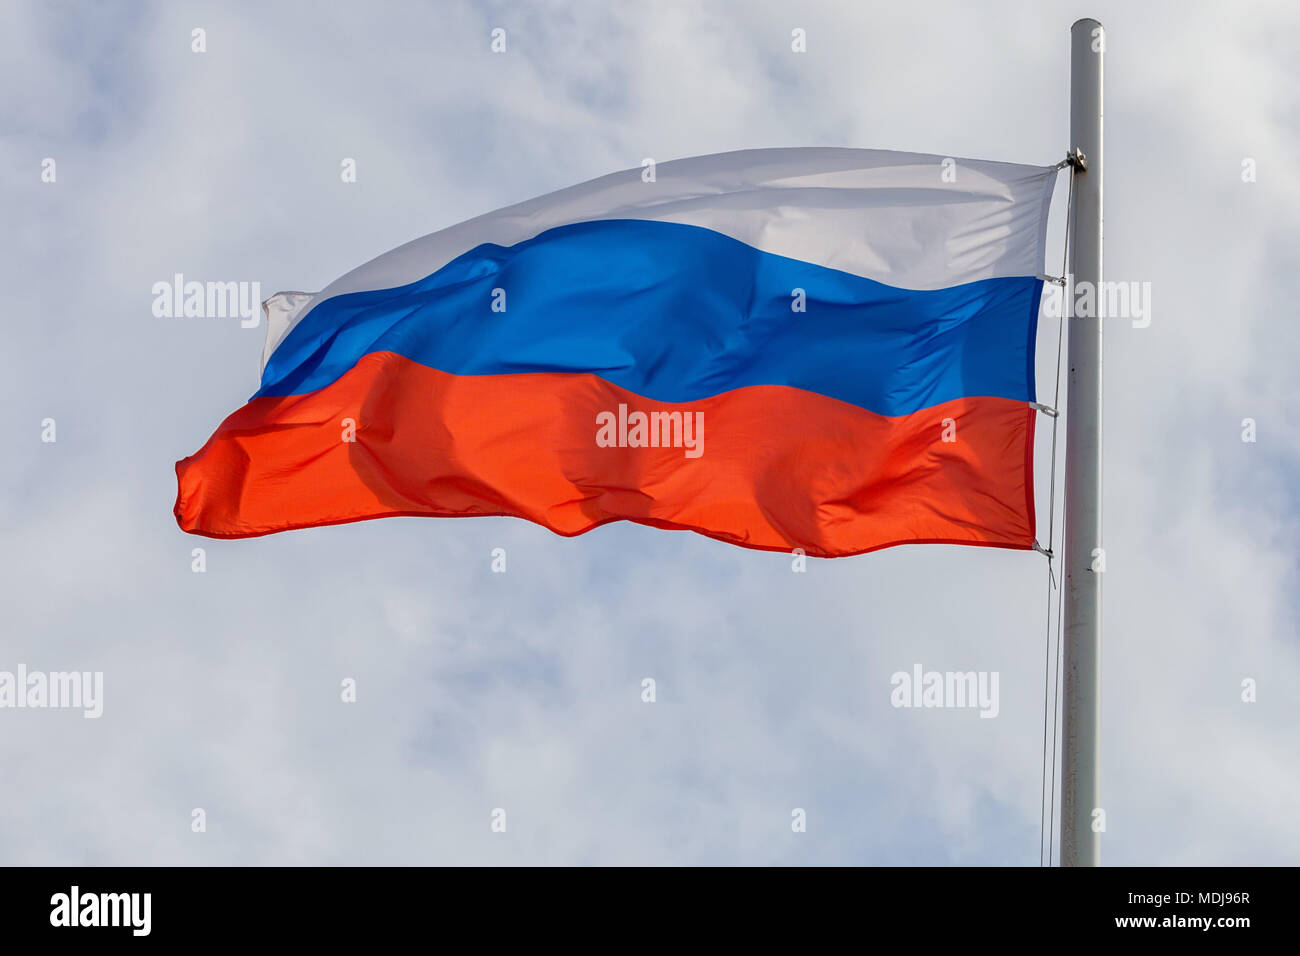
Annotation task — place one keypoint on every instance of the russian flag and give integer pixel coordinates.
(826, 349)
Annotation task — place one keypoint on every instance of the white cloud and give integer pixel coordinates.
(522, 691)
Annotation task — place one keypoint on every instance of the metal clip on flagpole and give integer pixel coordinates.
(1082, 816)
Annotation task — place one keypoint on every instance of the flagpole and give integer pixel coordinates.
(1084, 559)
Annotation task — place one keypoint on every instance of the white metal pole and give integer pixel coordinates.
(1084, 559)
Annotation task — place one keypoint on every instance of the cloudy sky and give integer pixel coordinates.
(522, 690)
